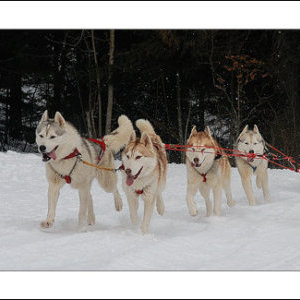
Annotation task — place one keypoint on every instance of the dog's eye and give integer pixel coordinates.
(138, 157)
(52, 137)
(127, 156)
(255, 143)
(202, 150)
(246, 143)
(41, 136)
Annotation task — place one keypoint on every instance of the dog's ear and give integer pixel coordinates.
(132, 137)
(207, 130)
(145, 139)
(194, 131)
(45, 116)
(255, 129)
(246, 128)
(59, 119)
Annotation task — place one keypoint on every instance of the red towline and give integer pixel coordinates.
(237, 153)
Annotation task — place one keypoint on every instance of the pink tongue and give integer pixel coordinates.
(52, 154)
(129, 180)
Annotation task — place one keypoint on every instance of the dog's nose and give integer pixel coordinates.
(42, 148)
(196, 160)
(251, 151)
(128, 171)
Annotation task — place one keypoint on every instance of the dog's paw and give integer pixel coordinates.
(91, 220)
(134, 220)
(231, 203)
(144, 230)
(161, 209)
(118, 203)
(46, 224)
(193, 212)
(268, 199)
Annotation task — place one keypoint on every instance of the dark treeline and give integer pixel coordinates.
(174, 78)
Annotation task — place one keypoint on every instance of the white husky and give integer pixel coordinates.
(145, 167)
(62, 147)
(251, 141)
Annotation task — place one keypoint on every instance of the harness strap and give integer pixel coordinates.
(102, 145)
(73, 154)
(68, 178)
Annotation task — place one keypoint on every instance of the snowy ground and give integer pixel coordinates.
(266, 237)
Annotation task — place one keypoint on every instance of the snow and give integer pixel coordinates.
(265, 237)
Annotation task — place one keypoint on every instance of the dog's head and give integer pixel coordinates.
(139, 158)
(49, 135)
(250, 141)
(201, 151)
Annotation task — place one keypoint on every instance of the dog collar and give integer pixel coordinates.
(202, 174)
(139, 192)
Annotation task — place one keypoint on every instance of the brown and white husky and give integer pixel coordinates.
(145, 167)
(207, 169)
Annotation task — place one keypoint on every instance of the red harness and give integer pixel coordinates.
(73, 154)
(102, 145)
(76, 153)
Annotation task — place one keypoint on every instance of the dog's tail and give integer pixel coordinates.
(120, 136)
(145, 126)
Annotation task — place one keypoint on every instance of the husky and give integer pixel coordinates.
(62, 149)
(144, 162)
(251, 141)
(207, 169)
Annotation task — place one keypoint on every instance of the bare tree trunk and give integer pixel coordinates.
(110, 96)
(98, 79)
(89, 124)
(188, 120)
(179, 113)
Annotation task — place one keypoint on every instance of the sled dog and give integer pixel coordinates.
(251, 141)
(206, 170)
(61, 147)
(144, 173)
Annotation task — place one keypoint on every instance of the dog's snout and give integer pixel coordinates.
(42, 148)
(128, 171)
(196, 160)
(251, 151)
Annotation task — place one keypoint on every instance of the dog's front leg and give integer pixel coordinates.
(53, 194)
(205, 191)
(160, 204)
(118, 200)
(84, 195)
(217, 191)
(149, 202)
(265, 186)
(191, 192)
(246, 181)
(133, 203)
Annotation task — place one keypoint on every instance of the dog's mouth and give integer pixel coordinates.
(251, 157)
(198, 165)
(130, 178)
(50, 155)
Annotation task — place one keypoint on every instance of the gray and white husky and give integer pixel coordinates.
(62, 147)
(251, 141)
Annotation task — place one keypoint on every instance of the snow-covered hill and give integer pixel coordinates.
(266, 237)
